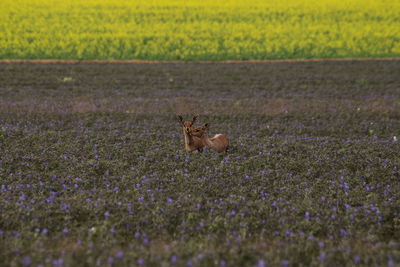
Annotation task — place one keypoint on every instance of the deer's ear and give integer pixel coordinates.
(180, 118)
(194, 119)
(207, 126)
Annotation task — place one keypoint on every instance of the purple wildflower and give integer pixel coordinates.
(26, 261)
(391, 262)
(137, 235)
(106, 215)
(343, 232)
(58, 262)
(174, 259)
(140, 261)
(322, 256)
(120, 254)
(285, 263)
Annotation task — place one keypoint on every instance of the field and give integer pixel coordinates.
(199, 30)
(93, 172)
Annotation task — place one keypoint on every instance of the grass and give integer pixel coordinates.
(107, 182)
(190, 30)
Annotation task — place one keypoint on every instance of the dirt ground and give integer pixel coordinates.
(266, 87)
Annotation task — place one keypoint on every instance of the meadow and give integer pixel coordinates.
(93, 171)
(198, 30)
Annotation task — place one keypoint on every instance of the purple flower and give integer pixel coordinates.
(391, 262)
(106, 215)
(343, 232)
(65, 206)
(346, 186)
(137, 235)
(120, 254)
(26, 261)
(170, 200)
(145, 240)
(285, 263)
(58, 262)
(65, 231)
(356, 259)
(174, 259)
(261, 263)
(110, 260)
(322, 256)
(140, 261)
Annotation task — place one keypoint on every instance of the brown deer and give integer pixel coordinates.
(191, 142)
(218, 142)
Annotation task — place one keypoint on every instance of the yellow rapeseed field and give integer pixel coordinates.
(198, 30)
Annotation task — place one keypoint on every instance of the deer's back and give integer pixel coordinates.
(220, 142)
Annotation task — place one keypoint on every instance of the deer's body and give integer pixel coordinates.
(191, 142)
(218, 142)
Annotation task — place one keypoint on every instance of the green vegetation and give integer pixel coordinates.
(198, 30)
(93, 171)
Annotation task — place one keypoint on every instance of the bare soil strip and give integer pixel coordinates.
(306, 88)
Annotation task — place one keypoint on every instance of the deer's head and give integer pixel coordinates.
(199, 131)
(187, 125)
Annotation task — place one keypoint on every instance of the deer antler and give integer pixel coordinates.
(194, 119)
(180, 118)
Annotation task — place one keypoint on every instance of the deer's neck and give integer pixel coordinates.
(206, 140)
(188, 138)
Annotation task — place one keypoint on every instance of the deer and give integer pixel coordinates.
(191, 142)
(219, 142)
